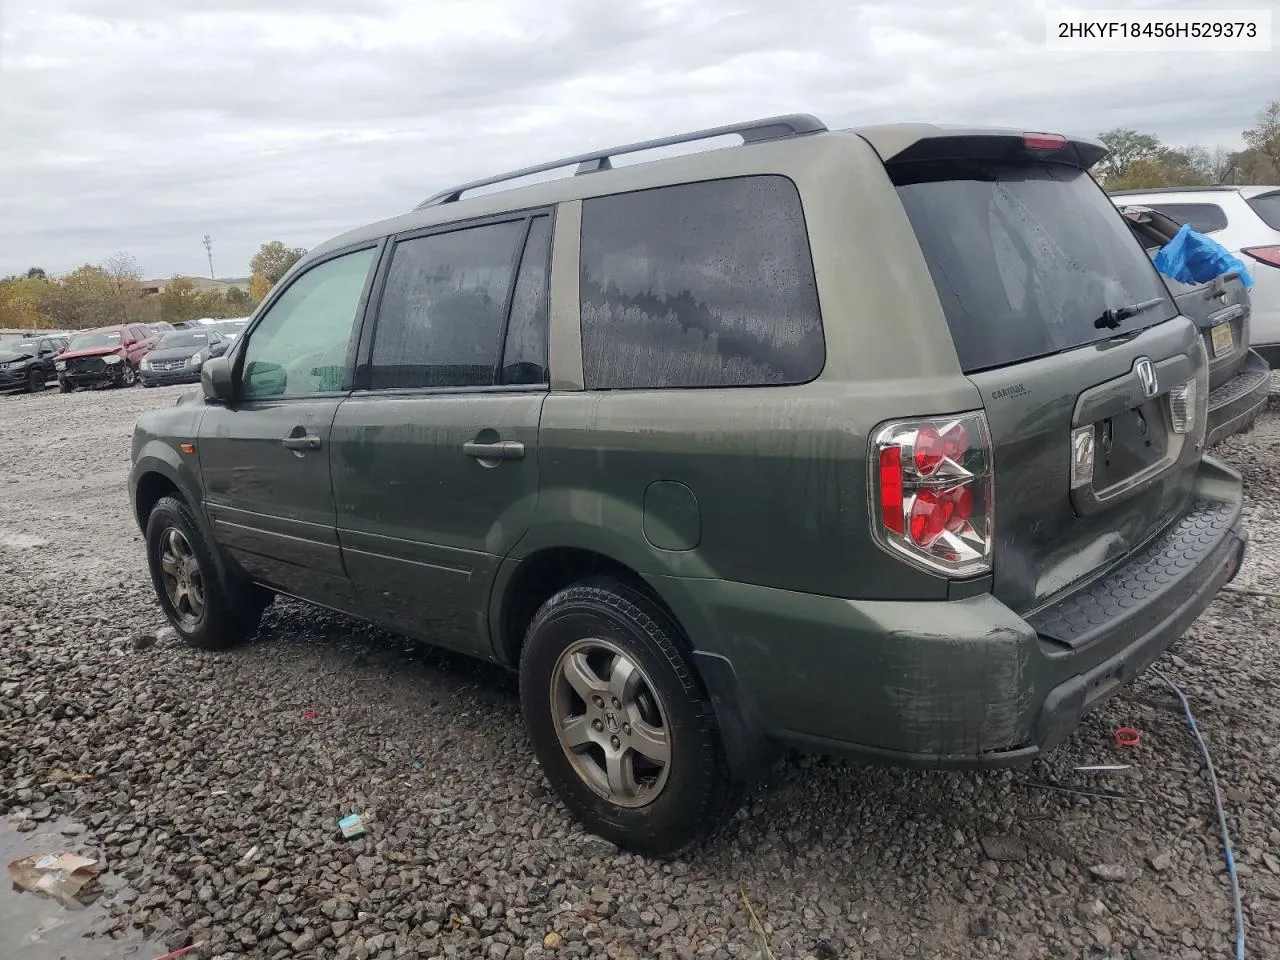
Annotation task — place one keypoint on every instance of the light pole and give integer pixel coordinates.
(208, 249)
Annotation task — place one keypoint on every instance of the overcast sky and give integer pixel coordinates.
(141, 125)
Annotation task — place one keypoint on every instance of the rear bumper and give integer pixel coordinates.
(1239, 401)
(965, 683)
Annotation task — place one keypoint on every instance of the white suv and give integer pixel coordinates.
(1245, 220)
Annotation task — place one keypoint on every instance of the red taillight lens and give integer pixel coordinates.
(934, 493)
(891, 488)
(1267, 255)
(1044, 141)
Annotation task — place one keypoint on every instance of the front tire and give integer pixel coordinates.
(36, 379)
(624, 733)
(128, 375)
(63, 386)
(207, 613)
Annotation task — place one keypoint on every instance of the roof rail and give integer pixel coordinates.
(1139, 191)
(753, 131)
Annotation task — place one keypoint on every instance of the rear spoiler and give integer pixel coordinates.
(923, 142)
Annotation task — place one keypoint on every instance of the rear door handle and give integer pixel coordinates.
(502, 450)
(307, 442)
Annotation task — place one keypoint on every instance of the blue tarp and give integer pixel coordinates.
(1193, 258)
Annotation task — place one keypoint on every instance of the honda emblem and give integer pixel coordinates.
(1146, 371)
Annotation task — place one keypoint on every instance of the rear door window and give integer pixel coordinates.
(1025, 257)
(1267, 206)
(699, 285)
(1203, 217)
(441, 318)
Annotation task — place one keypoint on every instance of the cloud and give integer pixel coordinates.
(144, 124)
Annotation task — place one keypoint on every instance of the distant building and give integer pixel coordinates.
(198, 284)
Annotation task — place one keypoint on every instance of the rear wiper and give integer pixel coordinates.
(1112, 317)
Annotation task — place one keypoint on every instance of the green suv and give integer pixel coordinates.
(884, 443)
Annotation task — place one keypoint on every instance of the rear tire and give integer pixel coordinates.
(206, 612)
(603, 639)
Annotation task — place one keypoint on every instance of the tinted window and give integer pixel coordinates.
(524, 358)
(1203, 217)
(440, 321)
(699, 285)
(1025, 257)
(300, 347)
(1267, 206)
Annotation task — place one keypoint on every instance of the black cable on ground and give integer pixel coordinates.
(1217, 802)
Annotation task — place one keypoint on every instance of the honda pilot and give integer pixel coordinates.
(884, 443)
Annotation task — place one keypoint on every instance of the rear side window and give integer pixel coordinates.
(1025, 257)
(1203, 217)
(1267, 206)
(440, 320)
(699, 285)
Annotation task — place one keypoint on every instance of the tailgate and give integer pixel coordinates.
(1094, 386)
(1220, 310)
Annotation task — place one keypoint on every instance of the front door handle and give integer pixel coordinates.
(307, 442)
(501, 450)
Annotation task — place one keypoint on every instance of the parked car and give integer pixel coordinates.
(230, 328)
(716, 468)
(1239, 379)
(1245, 220)
(160, 327)
(178, 357)
(187, 325)
(107, 356)
(28, 364)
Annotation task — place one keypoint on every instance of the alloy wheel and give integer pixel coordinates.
(610, 723)
(183, 581)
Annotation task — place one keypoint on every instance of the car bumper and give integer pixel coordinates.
(161, 378)
(112, 376)
(1239, 401)
(14, 379)
(964, 683)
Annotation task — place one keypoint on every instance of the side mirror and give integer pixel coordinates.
(218, 349)
(215, 379)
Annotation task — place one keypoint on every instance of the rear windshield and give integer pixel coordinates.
(1025, 257)
(1267, 206)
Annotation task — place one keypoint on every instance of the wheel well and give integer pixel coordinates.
(548, 572)
(151, 488)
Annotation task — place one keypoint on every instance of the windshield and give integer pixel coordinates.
(1025, 257)
(18, 346)
(98, 338)
(1267, 206)
(183, 338)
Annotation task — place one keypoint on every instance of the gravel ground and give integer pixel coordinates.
(215, 794)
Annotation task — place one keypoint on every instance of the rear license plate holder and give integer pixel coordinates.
(1223, 341)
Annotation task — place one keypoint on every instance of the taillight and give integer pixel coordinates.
(933, 492)
(1267, 255)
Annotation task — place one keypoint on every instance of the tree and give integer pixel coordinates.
(1217, 165)
(85, 297)
(178, 301)
(1126, 147)
(274, 259)
(239, 302)
(126, 283)
(22, 301)
(1263, 145)
(259, 287)
(37, 273)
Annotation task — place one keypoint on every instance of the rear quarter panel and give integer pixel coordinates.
(778, 474)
